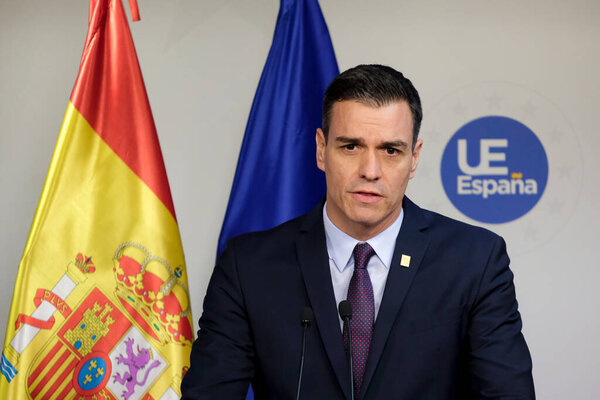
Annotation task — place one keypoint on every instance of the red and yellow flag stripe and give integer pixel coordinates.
(104, 243)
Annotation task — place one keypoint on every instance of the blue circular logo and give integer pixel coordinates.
(92, 374)
(494, 169)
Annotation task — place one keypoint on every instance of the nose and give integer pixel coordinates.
(370, 166)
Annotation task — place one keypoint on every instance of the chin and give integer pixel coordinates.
(366, 219)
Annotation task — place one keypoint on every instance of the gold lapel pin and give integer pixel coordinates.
(405, 261)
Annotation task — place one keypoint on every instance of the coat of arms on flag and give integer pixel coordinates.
(116, 322)
(109, 345)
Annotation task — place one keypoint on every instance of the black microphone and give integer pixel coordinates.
(345, 310)
(306, 317)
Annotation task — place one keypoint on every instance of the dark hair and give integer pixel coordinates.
(373, 85)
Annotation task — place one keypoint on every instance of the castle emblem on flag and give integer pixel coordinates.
(93, 326)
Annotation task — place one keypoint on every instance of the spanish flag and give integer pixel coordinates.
(101, 305)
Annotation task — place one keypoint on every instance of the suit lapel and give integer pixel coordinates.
(411, 242)
(314, 263)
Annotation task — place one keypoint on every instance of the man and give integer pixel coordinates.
(435, 314)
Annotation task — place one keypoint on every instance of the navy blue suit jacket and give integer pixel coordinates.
(448, 326)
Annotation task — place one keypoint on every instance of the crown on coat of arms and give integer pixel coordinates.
(151, 292)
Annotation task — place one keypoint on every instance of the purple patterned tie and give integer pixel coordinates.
(360, 295)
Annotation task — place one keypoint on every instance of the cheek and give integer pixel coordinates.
(399, 180)
(337, 174)
(336, 183)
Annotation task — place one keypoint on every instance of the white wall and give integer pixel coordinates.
(201, 62)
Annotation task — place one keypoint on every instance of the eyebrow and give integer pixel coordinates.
(350, 140)
(346, 139)
(395, 143)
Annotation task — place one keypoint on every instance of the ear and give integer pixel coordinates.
(320, 139)
(415, 158)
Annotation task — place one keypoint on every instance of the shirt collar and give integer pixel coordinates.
(340, 245)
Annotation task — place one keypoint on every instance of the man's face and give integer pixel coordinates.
(368, 160)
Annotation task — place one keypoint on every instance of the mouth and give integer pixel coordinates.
(366, 196)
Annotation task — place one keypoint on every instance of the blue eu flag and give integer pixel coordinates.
(276, 177)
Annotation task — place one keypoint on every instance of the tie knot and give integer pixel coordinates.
(362, 254)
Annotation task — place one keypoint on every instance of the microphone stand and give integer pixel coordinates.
(345, 310)
(306, 317)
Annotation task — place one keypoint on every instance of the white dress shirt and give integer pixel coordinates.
(341, 262)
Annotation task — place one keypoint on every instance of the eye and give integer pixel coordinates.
(349, 146)
(391, 151)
